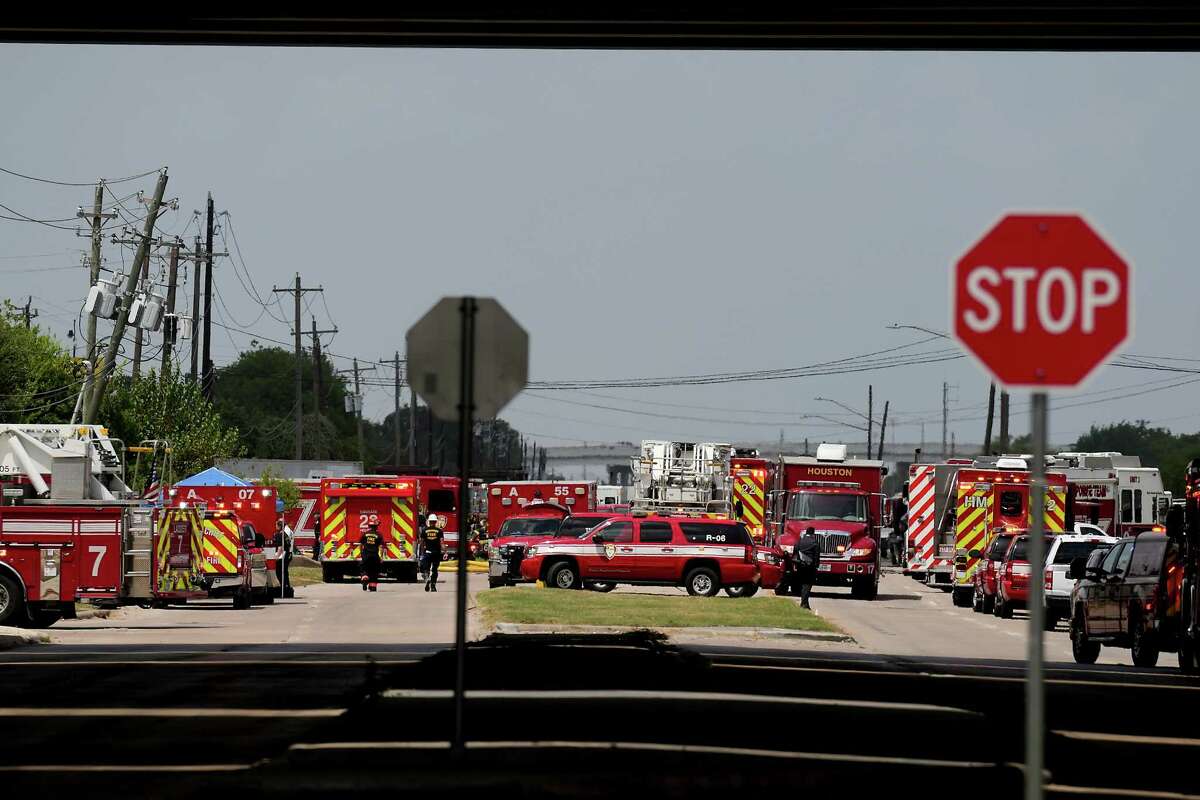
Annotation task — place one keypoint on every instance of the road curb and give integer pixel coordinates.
(16, 637)
(759, 633)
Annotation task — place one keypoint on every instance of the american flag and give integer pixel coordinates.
(152, 487)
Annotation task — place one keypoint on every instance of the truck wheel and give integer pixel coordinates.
(1142, 647)
(604, 587)
(959, 597)
(702, 582)
(43, 618)
(11, 601)
(1083, 649)
(496, 583)
(563, 575)
(977, 602)
(989, 604)
(328, 575)
(742, 590)
(241, 601)
(1006, 609)
(1051, 620)
(866, 589)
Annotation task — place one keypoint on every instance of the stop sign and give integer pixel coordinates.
(1041, 300)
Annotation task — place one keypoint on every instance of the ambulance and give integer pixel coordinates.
(748, 478)
(350, 506)
(506, 498)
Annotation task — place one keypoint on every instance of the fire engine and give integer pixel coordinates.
(842, 499)
(1114, 491)
(351, 505)
(438, 494)
(682, 478)
(929, 557)
(987, 500)
(70, 529)
(506, 498)
(748, 477)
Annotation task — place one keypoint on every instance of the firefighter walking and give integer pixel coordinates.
(431, 550)
(369, 549)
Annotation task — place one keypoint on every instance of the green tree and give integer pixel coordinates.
(285, 488)
(169, 407)
(257, 395)
(38, 381)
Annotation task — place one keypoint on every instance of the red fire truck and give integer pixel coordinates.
(438, 494)
(843, 500)
(749, 476)
(927, 556)
(505, 498)
(1114, 492)
(987, 501)
(255, 506)
(349, 506)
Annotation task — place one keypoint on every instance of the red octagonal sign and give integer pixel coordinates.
(1041, 300)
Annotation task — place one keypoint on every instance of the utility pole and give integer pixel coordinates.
(945, 415)
(357, 406)
(870, 400)
(196, 261)
(396, 384)
(412, 427)
(206, 383)
(100, 382)
(316, 348)
(171, 330)
(882, 429)
(137, 334)
(30, 313)
(97, 220)
(1003, 421)
(987, 432)
(297, 292)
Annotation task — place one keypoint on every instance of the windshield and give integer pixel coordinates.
(574, 527)
(816, 506)
(1069, 551)
(530, 526)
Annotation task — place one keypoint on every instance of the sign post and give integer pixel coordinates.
(480, 376)
(1041, 301)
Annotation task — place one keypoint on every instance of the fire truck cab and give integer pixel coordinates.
(842, 499)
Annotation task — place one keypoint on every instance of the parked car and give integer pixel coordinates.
(1058, 581)
(1012, 585)
(703, 556)
(1129, 598)
(987, 572)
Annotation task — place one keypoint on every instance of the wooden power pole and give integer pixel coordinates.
(297, 292)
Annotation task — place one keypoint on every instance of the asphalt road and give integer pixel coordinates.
(337, 691)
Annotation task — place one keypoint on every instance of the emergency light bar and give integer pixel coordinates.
(830, 484)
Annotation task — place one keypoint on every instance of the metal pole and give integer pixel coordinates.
(299, 377)
(196, 261)
(170, 335)
(358, 415)
(396, 411)
(870, 401)
(882, 430)
(412, 425)
(1034, 690)
(466, 427)
(206, 384)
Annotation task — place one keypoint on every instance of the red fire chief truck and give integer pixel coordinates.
(505, 498)
(842, 499)
(350, 506)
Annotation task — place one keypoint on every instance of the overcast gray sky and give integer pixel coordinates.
(642, 214)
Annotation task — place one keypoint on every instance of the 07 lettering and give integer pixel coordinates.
(98, 550)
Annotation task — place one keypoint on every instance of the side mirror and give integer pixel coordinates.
(975, 554)
(1078, 569)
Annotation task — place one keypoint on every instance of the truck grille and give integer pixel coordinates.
(831, 541)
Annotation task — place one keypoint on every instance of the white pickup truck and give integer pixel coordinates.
(1064, 548)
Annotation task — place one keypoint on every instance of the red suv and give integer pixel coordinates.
(1013, 584)
(987, 572)
(701, 555)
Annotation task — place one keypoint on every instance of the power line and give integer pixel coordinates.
(73, 183)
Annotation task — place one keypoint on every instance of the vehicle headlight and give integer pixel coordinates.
(856, 552)
(531, 550)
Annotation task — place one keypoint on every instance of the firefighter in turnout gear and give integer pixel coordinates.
(431, 547)
(370, 546)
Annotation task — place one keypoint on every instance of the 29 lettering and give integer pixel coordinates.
(366, 521)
